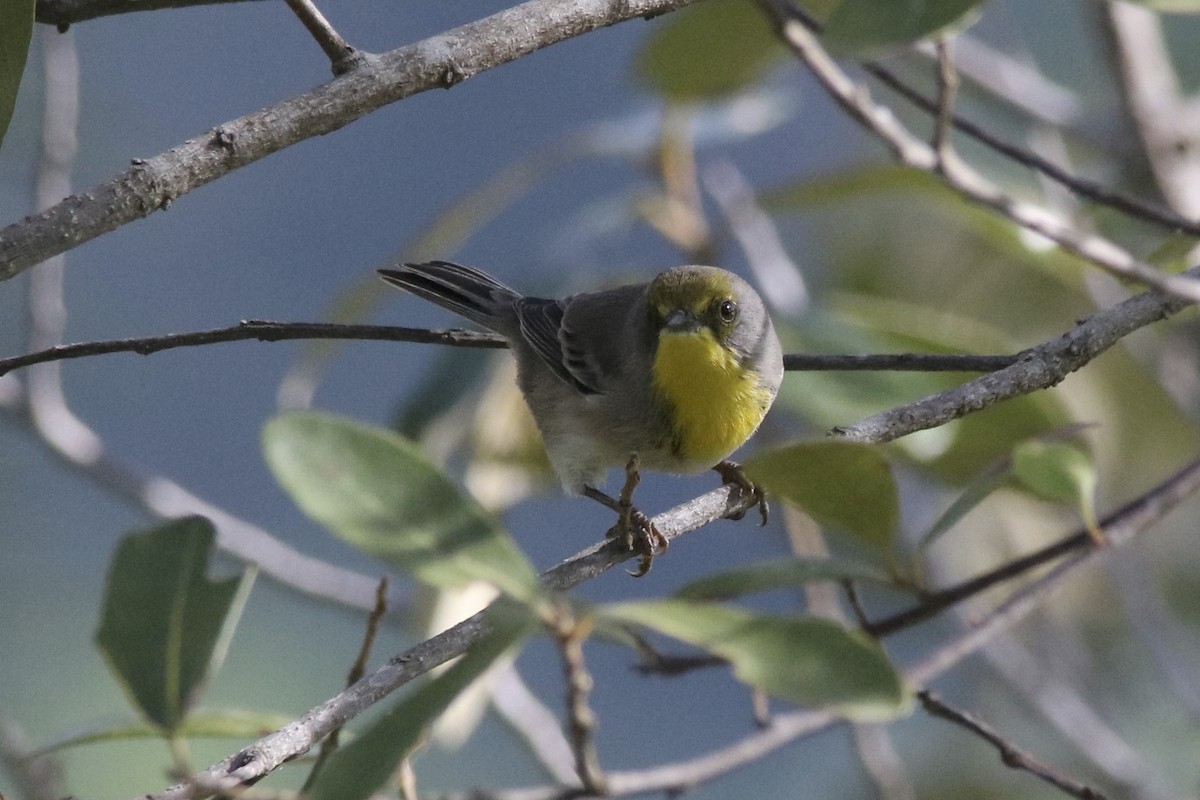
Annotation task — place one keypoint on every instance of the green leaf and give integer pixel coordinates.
(843, 485)
(708, 50)
(867, 26)
(16, 28)
(380, 493)
(200, 724)
(1059, 472)
(808, 660)
(782, 573)
(355, 771)
(164, 623)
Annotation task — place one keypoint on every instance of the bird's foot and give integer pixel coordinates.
(751, 493)
(634, 529)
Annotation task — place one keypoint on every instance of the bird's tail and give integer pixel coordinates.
(466, 291)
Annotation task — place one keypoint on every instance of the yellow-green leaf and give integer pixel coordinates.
(842, 485)
(709, 50)
(780, 573)
(16, 29)
(1059, 472)
(163, 621)
(807, 660)
(867, 26)
(379, 492)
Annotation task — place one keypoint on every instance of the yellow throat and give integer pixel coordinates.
(717, 403)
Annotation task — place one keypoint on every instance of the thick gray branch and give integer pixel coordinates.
(438, 62)
(1038, 367)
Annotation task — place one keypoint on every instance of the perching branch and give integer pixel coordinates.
(270, 752)
(957, 175)
(789, 727)
(437, 62)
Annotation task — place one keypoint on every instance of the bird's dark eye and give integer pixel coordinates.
(728, 311)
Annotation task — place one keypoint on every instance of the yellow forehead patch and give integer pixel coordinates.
(692, 288)
(716, 404)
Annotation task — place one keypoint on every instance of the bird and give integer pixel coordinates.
(671, 375)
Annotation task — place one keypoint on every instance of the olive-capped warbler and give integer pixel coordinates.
(672, 375)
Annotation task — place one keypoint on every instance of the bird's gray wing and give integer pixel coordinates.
(541, 324)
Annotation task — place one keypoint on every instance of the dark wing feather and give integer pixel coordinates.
(541, 327)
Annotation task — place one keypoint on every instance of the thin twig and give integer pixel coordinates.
(357, 670)
(1010, 754)
(913, 152)
(947, 86)
(266, 331)
(570, 634)
(1090, 190)
(261, 330)
(341, 54)
(1059, 699)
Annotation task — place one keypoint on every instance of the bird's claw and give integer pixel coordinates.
(733, 474)
(635, 529)
(638, 533)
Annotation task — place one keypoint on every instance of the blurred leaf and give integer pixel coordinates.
(355, 771)
(162, 618)
(849, 183)
(782, 573)
(708, 50)
(1059, 472)
(975, 493)
(866, 26)
(200, 724)
(1173, 254)
(843, 485)
(16, 29)
(378, 491)
(807, 660)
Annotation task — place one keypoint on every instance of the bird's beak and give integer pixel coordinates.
(681, 320)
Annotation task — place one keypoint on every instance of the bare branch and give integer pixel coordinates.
(438, 62)
(1090, 190)
(1038, 367)
(261, 330)
(570, 634)
(947, 83)
(342, 57)
(266, 331)
(1059, 701)
(357, 670)
(971, 185)
(1010, 754)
